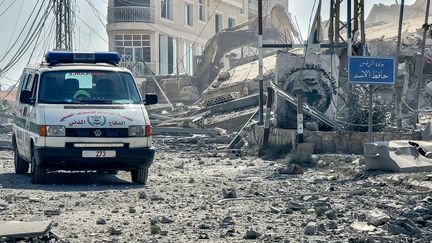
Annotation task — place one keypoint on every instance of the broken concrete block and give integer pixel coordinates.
(25, 229)
(377, 218)
(398, 156)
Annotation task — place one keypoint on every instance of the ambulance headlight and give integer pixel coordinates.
(140, 131)
(55, 131)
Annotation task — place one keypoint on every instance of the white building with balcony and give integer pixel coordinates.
(168, 34)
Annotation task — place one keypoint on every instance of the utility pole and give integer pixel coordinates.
(260, 63)
(63, 16)
(420, 76)
(396, 91)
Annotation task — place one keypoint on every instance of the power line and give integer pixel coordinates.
(29, 38)
(91, 28)
(10, 5)
(16, 23)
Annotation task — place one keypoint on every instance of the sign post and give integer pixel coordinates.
(371, 71)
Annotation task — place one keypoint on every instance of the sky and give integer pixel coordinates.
(90, 33)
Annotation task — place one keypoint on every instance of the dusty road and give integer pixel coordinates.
(183, 202)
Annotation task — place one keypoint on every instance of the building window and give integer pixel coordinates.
(231, 22)
(218, 23)
(188, 57)
(128, 3)
(134, 48)
(167, 55)
(201, 10)
(167, 9)
(188, 14)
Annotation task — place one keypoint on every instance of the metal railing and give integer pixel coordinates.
(131, 14)
(139, 69)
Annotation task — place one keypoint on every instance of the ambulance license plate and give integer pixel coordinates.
(99, 154)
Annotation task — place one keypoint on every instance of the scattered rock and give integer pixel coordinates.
(132, 210)
(113, 231)
(427, 199)
(101, 221)
(362, 226)
(377, 218)
(179, 164)
(226, 222)
(332, 225)
(275, 209)
(404, 226)
(295, 205)
(252, 235)
(204, 226)
(229, 193)
(311, 228)
(292, 169)
(310, 198)
(142, 195)
(51, 212)
(203, 236)
(155, 229)
(331, 214)
(165, 220)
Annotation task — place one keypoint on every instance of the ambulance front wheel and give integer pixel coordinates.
(140, 176)
(21, 166)
(38, 172)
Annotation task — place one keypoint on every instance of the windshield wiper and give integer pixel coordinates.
(95, 101)
(63, 102)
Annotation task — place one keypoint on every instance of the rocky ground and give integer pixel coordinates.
(196, 193)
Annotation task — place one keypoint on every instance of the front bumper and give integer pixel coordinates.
(53, 158)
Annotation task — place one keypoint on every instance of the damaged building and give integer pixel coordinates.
(218, 86)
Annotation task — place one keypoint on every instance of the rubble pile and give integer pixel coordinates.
(194, 194)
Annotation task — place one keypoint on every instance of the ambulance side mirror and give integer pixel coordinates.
(25, 97)
(151, 99)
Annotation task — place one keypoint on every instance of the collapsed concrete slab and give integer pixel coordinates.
(18, 230)
(399, 156)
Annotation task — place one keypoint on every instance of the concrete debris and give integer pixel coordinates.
(398, 156)
(362, 226)
(377, 218)
(21, 230)
(404, 226)
(229, 193)
(114, 231)
(292, 169)
(101, 221)
(311, 228)
(252, 235)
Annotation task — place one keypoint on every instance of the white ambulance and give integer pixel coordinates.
(80, 111)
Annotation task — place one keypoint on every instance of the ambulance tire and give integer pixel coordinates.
(38, 172)
(21, 166)
(140, 176)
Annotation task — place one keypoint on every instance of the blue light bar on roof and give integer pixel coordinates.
(59, 57)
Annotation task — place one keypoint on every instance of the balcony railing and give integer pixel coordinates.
(138, 69)
(131, 14)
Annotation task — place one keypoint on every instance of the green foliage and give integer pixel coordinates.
(358, 112)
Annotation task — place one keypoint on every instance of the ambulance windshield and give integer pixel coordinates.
(87, 87)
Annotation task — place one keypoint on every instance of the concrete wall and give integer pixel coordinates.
(328, 142)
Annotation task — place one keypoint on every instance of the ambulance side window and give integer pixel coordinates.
(22, 81)
(34, 86)
(29, 82)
